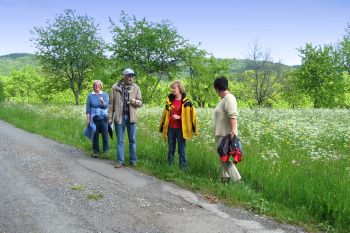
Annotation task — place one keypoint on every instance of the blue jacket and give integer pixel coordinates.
(93, 101)
(96, 110)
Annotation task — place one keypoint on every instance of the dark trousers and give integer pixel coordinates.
(101, 128)
(173, 136)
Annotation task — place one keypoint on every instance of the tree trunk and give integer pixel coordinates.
(76, 95)
(154, 88)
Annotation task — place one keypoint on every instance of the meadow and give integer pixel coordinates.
(295, 168)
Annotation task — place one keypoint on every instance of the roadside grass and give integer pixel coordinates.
(78, 187)
(296, 164)
(94, 196)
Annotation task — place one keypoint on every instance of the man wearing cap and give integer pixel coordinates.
(125, 98)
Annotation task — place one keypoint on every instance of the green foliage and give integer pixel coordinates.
(241, 91)
(2, 93)
(344, 47)
(320, 76)
(70, 50)
(155, 50)
(265, 78)
(293, 96)
(28, 85)
(347, 90)
(24, 85)
(203, 72)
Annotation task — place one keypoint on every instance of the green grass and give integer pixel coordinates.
(296, 164)
(78, 187)
(94, 196)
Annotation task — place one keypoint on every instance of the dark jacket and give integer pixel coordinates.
(229, 148)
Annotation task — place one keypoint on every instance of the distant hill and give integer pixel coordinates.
(241, 65)
(16, 61)
(21, 60)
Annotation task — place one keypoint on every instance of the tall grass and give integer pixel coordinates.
(296, 164)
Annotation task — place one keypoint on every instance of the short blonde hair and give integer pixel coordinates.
(180, 85)
(97, 82)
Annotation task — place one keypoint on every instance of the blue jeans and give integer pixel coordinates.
(173, 136)
(120, 129)
(101, 127)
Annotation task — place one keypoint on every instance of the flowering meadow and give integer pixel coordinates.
(298, 158)
(295, 167)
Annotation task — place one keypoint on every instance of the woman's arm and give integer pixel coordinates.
(88, 109)
(233, 127)
(104, 100)
(232, 113)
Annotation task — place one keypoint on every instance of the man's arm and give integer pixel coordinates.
(137, 102)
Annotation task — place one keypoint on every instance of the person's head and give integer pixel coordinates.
(97, 85)
(128, 75)
(221, 84)
(177, 88)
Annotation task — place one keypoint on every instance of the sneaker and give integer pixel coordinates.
(134, 164)
(118, 165)
(95, 155)
(225, 180)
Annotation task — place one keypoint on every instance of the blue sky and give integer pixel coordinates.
(226, 28)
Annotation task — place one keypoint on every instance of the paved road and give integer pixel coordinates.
(44, 187)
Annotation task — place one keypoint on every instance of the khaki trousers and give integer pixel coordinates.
(228, 169)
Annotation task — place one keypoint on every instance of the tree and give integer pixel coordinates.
(265, 77)
(320, 75)
(293, 95)
(154, 50)
(345, 49)
(70, 50)
(203, 71)
(2, 93)
(24, 85)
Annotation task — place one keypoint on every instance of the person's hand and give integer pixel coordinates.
(88, 119)
(132, 101)
(102, 101)
(176, 117)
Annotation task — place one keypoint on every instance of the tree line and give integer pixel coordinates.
(71, 54)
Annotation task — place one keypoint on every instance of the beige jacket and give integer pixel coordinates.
(116, 102)
(225, 110)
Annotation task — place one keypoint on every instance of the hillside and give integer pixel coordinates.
(21, 60)
(241, 65)
(16, 61)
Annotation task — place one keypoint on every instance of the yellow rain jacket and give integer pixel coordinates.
(188, 117)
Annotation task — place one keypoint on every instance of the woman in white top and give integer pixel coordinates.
(226, 123)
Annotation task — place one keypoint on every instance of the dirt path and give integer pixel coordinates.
(49, 187)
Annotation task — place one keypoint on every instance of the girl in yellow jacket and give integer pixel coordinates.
(178, 122)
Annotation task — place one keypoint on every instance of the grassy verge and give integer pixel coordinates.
(296, 166)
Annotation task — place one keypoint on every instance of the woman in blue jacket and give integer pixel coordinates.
(96, 113)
